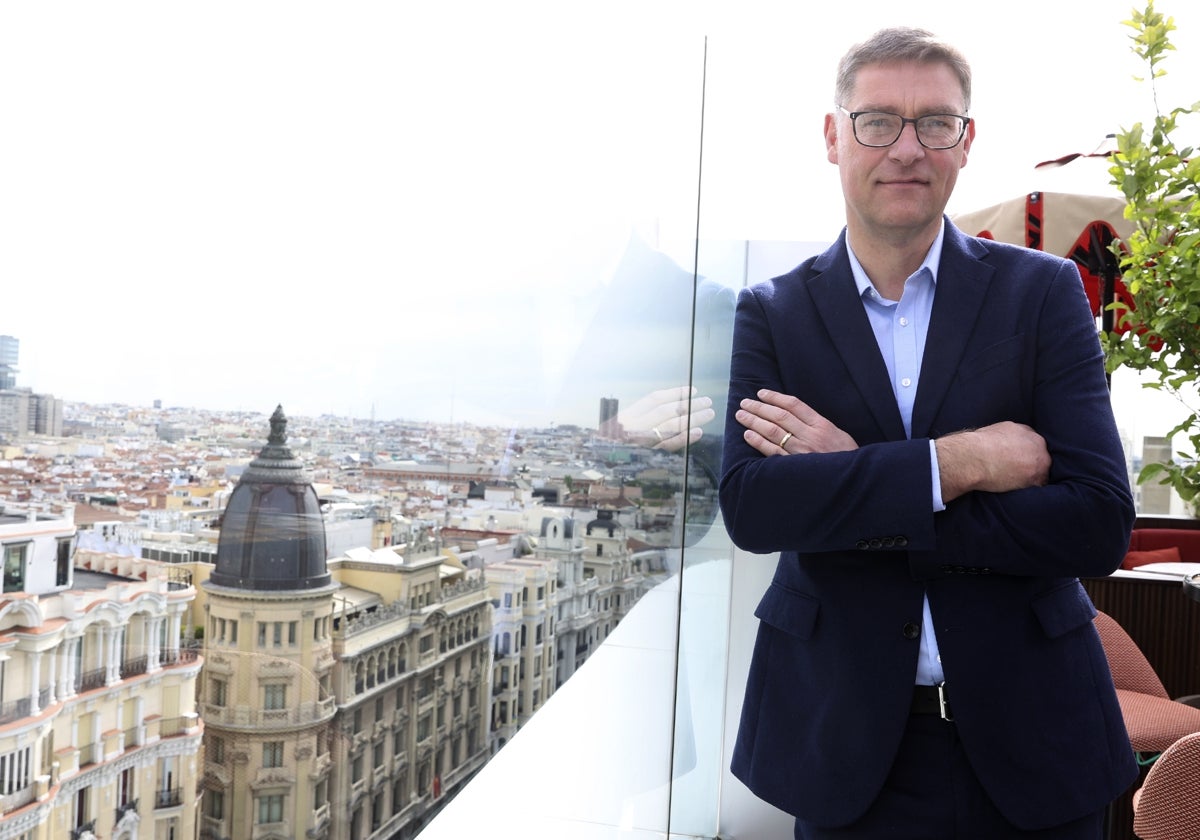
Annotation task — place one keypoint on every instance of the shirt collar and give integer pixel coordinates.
(933, 259)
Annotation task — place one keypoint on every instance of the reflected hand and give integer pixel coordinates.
(778, 424)
(668, 420)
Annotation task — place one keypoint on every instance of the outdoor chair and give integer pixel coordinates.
(1154, 721)
(1167, 807)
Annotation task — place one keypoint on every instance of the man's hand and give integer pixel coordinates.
(997, 458)
(778, 424)
(668, 419)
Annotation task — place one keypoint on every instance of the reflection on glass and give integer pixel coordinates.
(440, 256)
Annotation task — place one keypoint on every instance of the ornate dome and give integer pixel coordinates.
(272, 532)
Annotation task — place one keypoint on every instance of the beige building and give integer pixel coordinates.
(412, 649)
(523, 593)
(99, 735)
(344, 699)
(598, 581)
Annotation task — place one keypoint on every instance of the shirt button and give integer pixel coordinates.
(903, 321)
(911, 630)
(906, 382)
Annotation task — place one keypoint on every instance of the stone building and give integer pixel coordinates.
(344, 696)
(99, 735)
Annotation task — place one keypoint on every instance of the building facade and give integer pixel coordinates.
(99, 735)
(10, 349)
(266, 691)
(413, 657)
(344, 698)
(524, 594)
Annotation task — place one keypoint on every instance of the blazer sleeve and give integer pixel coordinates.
(1079, 523)
(880, 495)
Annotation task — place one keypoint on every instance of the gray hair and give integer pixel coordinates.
(900, 43)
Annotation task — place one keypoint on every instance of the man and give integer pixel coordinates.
(919, 421)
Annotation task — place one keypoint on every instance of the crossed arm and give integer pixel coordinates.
(997, 458)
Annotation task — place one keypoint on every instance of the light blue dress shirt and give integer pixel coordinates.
(900, 328)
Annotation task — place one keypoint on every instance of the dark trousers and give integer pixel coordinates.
(932, 794)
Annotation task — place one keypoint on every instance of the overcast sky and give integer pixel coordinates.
(394, 208)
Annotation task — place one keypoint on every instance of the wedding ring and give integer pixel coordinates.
(786, 438)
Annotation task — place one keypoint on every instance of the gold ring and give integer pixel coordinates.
(786, 438)
(657, 433)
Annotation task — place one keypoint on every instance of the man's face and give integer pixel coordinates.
(899, 191)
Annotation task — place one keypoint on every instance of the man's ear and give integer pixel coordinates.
(831, 138)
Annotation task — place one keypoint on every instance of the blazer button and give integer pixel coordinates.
(876, 542)
(911, 630)
(862, 545)
(901, 541)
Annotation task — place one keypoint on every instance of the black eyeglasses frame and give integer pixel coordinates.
(854, 115)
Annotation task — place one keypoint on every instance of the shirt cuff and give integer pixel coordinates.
(938, 504)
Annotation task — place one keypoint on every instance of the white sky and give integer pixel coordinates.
(371, 206)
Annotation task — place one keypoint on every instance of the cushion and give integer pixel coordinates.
(1134, 559)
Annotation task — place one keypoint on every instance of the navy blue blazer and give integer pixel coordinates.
(831, 680)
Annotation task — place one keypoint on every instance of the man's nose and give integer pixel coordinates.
(907, 147)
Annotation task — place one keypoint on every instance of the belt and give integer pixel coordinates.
(931, 700)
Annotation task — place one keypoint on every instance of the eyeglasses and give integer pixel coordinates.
(934, 131)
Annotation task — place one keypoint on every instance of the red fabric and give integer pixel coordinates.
(1131, 670)
(1154, 555)
(1155, 723)
(1186, 539)
(1166, 807)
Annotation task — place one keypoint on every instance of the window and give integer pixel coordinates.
(270, 808)
(216, 748)
(81, 807)
(14, 567)
(125, 786)
(356, 769)
(214, 804)
(272, 754)
(62, 575)
(233, 627)
(15, 772)
(277, 634)
(377, 757)
(426, 644)
(217, 692)
(274, 697)
(423, 727)
(291, 633)
(262, 634)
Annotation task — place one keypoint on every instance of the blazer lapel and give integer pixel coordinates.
(837, 302)
(962, 286)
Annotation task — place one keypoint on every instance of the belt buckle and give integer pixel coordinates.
(943, 706)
